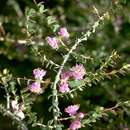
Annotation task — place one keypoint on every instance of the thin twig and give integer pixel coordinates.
(76, 54)
(42, 125)
(112, 108)
(28, 79)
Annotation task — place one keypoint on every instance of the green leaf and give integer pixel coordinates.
(76, 83)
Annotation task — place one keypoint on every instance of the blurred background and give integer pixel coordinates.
(77, 16)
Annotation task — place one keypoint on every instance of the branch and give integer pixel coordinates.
(85, 37)
(86, 114)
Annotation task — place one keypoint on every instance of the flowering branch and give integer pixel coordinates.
(85, 37)
(104, 110)
(18, 100)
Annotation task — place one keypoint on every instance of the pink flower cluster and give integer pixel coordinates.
(77, 72)
(64, 33)
(54, 42)
(35, 87)
(72, 111)
(76, 124)
(39, 73)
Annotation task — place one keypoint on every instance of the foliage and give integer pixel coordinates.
(89, 39)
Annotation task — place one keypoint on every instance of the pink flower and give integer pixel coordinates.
(66, 75)
(78, 71)
(35, 88)
(53, 42)
(64, 33)
(39, 73)
(64, 87)
(75, 125)
(81, 115)
(72, 110)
